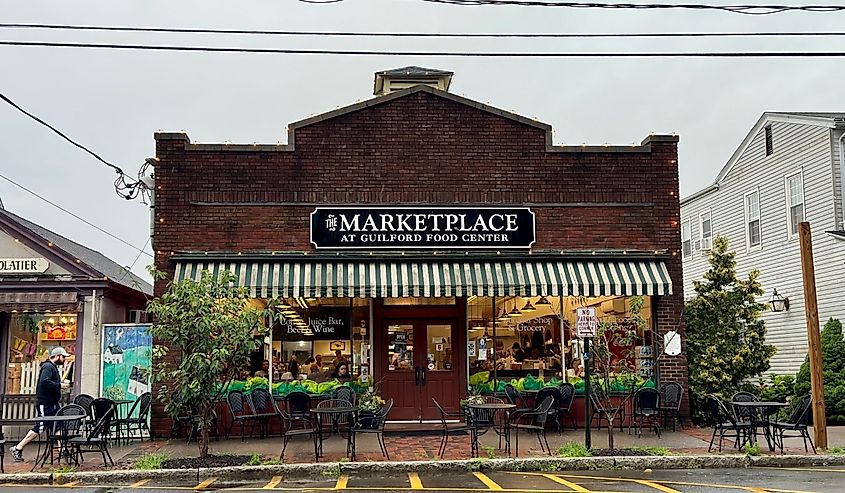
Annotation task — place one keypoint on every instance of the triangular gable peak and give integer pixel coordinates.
(293, 127)
(21, 240)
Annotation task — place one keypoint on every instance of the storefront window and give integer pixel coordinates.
(439, 347)
(400, 347)
(31, 338)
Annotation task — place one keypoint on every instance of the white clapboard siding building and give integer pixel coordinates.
(787, 169)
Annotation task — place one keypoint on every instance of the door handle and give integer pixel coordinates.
(417, 378)
(423, 374)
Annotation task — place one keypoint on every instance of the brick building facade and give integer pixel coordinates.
(422, 146)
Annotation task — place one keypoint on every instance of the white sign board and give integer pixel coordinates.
(672, 343)
(471, 349)
(23, 265)
(587, 323)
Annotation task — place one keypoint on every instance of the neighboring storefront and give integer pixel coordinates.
(424, 238)
(55, 292)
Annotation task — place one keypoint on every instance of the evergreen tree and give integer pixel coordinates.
(726, 339)
(833, 365)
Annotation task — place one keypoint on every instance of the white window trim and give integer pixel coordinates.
(789, 234)
(703, 213)
(691, 250)
(748, 247)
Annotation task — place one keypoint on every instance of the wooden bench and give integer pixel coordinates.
(15, 410)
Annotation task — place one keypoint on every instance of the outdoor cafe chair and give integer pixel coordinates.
(99, 407)
(65, 430)
(726, 425)
(264, 409)
(239, 412)
(95, 440)
(671, 395)
(449, 428)
(646, 407)
(744, 413)
(535, 421)
(295, 426)
(344, 393)
(2, 451)
(371, 426)
(555, 395)
(567, 396)
(797, 423)
(603, 408)
(139, 422)
(514, 398)
(332, 422)
(299, 404)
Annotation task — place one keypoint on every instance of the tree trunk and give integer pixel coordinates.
(204, 431)
(610, 444)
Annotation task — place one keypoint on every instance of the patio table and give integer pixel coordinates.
(50, 428)
(767, 408)
(333, 413)
(495, 407)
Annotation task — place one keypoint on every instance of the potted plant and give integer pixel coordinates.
(369, 404)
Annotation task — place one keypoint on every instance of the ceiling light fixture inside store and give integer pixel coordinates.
(543, 301)
(528, 308)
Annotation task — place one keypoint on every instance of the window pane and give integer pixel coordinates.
(705, 225)
(796, 215)
(400, 347)
(753, 206)
(439, 347)
(795, 191)
(754, 233)
(687, 248)
(685, 231)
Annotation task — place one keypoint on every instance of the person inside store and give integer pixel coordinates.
(338, 358)
(48, 394)
(517, 353)
(341, 371)
(577, 367)
(265, 369)
(293, 366)
(314, 372)
(318, 359)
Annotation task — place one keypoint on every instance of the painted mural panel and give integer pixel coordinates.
(127, 359)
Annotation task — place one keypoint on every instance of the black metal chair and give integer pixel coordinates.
(797, 422)
(264, 409)
(567, 396)
(295, 426)
(671, 395)
(2, 451)
(371, 426)
(450, 428)
(744, 413)
(140, 422)
(239, 413)
(99, 408)
(646, 407)
(516, 399)
(95, 439)
(726, 425)
(555, 395)
(299, 404)
(345, 394)
(535, 421)
(85, 401)
(63, 431)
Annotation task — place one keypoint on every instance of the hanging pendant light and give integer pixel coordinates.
(543, 301)
(528, 308)
(515, 312)
(503, 317)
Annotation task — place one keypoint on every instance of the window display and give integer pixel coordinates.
(31, 338)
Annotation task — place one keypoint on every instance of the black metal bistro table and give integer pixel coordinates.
(766, 408)
(333, 413)
(492, 408)
(50, 426)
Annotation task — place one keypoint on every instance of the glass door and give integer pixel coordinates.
(401, 380)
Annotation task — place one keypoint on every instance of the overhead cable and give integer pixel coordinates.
(475, 54)
(735, 9)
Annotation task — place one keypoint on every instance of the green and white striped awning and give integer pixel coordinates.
(376, 279)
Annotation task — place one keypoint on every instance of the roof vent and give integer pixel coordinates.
(397, 79)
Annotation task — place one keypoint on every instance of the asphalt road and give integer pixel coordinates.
(759, 480)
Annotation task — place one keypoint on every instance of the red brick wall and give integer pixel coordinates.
(422, 149)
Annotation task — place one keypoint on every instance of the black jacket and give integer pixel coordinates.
(49, 388)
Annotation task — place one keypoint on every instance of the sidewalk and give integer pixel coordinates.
(404, 447)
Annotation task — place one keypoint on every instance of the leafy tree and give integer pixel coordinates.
(210, 327)
(833, 364)
(726, 339)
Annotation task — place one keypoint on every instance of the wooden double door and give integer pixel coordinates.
(421, 360)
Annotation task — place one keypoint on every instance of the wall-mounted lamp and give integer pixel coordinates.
(778, 302)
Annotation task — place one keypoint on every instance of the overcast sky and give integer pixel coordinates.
(113, 101)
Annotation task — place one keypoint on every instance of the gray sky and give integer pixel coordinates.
(113, 101)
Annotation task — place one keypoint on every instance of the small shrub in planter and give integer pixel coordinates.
(368, 405)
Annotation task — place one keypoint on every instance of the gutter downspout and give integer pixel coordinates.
(842, 177)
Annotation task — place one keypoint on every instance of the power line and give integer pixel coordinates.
(490, 54)
(125, 186)
(373, 34)
(89, 223)
(135, 261)
(735, 9)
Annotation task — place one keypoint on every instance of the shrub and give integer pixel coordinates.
(752, 449)
(573, 449)
(833, 361)
(150, 461)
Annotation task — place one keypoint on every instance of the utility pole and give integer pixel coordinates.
(811, 312)
(587, 411)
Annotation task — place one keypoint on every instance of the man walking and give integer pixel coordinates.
(48, 393)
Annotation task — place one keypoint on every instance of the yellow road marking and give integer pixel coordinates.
(342, 481)
(660, 487)
(664, 482)
(489, 483)
(69, 485)
(205, 484)
(414, 478)
(138, 484)
(755, 490)
(569, 484)
(273, 483)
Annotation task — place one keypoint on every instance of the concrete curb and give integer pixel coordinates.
(329, 470)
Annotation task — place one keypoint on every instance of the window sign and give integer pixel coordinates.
(422, 227)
